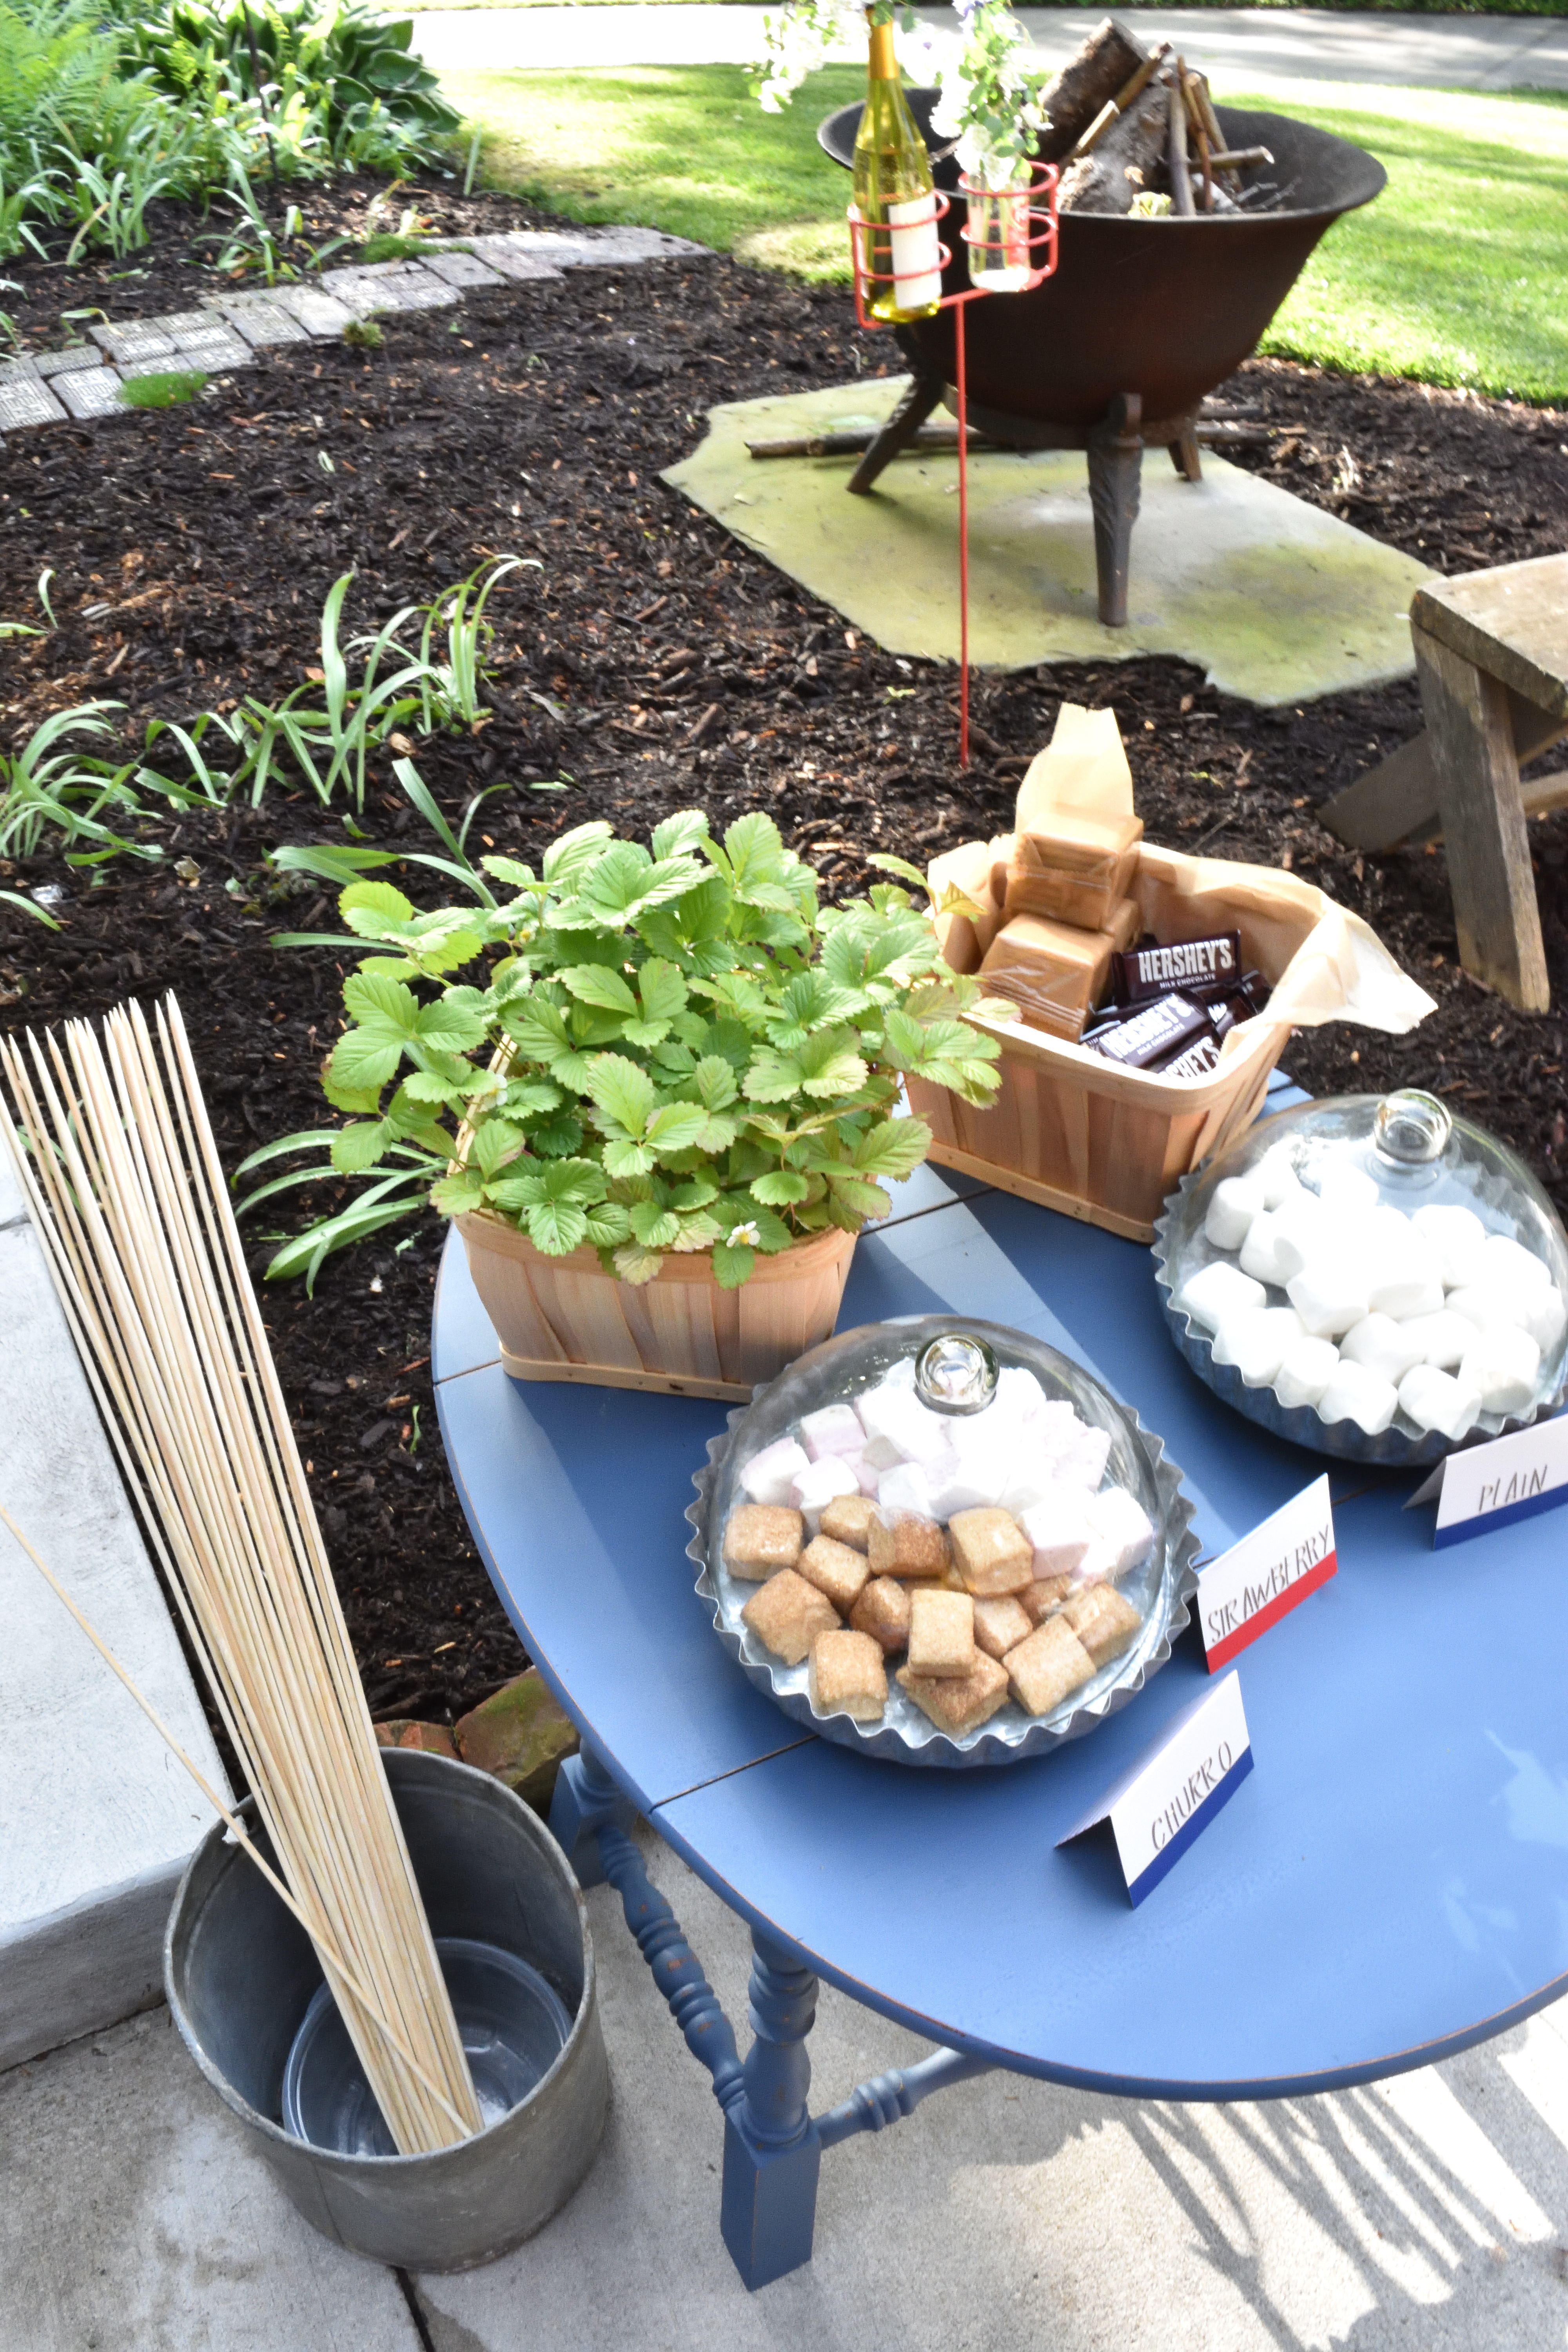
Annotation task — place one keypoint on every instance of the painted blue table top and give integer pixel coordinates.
(1389, 1884)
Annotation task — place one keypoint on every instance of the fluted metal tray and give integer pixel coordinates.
(852, 1361)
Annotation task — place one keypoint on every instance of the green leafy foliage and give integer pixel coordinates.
(644, 1050)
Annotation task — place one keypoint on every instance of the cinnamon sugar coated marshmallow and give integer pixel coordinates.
(958, 1704)
(835, 1569)
(786, 1615)
(848, 1677)
(992, 1553)
(761, 1538)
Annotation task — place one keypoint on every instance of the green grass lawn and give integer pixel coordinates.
(1454, 275)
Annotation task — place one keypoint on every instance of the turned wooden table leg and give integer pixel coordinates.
(1469, 735)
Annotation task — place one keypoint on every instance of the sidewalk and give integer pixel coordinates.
(1248, 47)
(1430, 2211)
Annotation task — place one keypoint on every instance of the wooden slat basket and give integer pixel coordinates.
(1080, 1134)
(564, 1319)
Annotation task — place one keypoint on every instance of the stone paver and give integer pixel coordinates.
(317, 313)
(389, 286)
(93, 392)
(511, 261)
(26, 400)
(260, 322)
(461, 270)
(138, 339)
(213, 346)
(73, 360)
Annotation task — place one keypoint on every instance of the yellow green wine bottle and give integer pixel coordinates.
(893, 191)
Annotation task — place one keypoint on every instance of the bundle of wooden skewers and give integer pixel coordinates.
(111, 1145)
(1135, 132)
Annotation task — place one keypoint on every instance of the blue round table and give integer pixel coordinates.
(1388, 1886)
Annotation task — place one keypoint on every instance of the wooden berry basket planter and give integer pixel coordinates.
(564, 1319)
(1077, 1133)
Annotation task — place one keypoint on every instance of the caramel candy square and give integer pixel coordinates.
(1047, 1665)
(991, 1552)
(848, 1677)
(847, 1519)
(1053, 974)
(941, 1632)
(883, 1612)
(911, 1547)
(761, 1538)
(1000, 1625)
(1044, 1598)
(958, 1704)
(835, 1568)
(786, 1615)
(1104, 1621)
(1073, 867)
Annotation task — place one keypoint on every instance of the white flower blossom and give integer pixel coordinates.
(747, 1232)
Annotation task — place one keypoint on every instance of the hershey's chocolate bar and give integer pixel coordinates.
(1142, 974)
(1193, 1061)
(1148, 1036)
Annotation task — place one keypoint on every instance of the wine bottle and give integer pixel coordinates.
(893, 191)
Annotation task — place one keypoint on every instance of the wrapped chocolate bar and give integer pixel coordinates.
(1144, 973)
(1074, 867)
(1054, 972)
(1153, 1036)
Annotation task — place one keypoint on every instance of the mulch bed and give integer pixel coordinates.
(655, 663)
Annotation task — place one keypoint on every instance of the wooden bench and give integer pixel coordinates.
(1491, 652)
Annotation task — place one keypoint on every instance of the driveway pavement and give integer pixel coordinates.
(1245, 47)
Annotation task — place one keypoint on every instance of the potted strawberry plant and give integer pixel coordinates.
(669, 1101)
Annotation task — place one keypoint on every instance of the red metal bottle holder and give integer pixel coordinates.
(1040, 211)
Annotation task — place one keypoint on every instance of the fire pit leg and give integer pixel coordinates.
(1115, 461)
(1184, 456)
(900, 430)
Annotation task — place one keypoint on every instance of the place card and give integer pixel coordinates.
(1491, 1486)
(1254, 1583)
(1175, 1789)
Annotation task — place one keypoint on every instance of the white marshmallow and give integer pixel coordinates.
(1403, 1290)
(1276, 1174)
(1485, 1303)
(1237, 1201)
(1343, 1186)
(1051, 1431)
(906, 1490)
(769, 1476)
(1502, 1366)
(1256, 1343)
(1457, 1236)
(1355, 1394)
(1330, 1293)
(1033, 1484)
(1442, 1338)
(1435, 1400)
(972, 1482)
(1217, 1291)
(1083, 1461)
(1383, 1345)
(813, 1488)
(1308, 1366)
(1098, 1565)
(1300, 1226)
(1262, 1255)
(1120, 1520)
(869, 1479)
(1061, 1533)
(1018, 1398)
(1545, 1318)
(1507, 1261)
(898, 1428)
(835, 1430)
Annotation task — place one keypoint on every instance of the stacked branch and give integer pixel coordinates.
(123, 1182)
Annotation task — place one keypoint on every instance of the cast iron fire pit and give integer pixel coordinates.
(1143, 318)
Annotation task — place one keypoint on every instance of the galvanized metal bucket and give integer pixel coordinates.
(240, 1973)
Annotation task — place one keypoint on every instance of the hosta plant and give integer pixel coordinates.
(669, 1048)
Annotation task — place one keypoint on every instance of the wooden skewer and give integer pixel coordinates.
(123, 1182)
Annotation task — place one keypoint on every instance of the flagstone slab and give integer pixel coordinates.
(1274, 599)
(461, 270)
(92, 392)
(319, 314)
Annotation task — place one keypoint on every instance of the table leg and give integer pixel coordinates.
(1469, 731)
(771, 2152)
(585, 1798)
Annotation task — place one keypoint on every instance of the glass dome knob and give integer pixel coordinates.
(956, 1374)
(1411, 1128)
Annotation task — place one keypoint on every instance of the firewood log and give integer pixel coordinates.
(1129, 158)
(1098, 69)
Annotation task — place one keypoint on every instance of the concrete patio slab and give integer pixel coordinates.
(1427, 2215)
(1275, 600)
(98, 1817)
